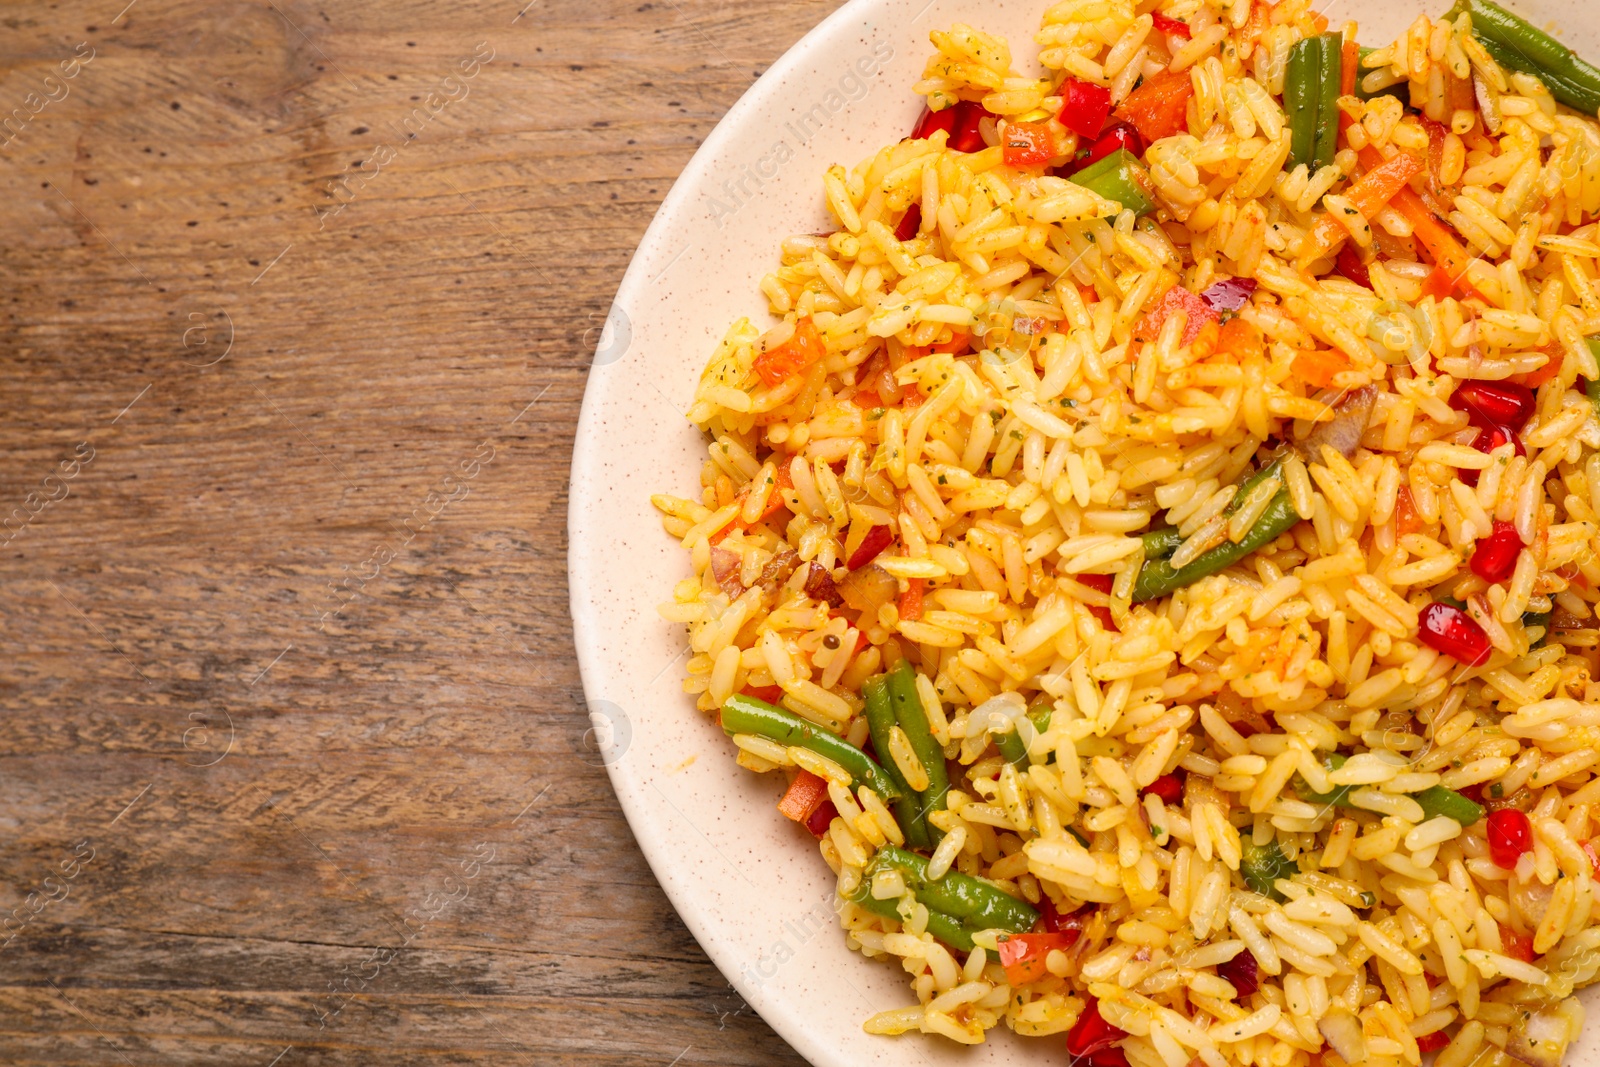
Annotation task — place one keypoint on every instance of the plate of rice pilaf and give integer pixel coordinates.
(1135, 540)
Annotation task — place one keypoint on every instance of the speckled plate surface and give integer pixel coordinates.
(753, 890)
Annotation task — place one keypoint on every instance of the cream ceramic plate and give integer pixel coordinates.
(750, 886)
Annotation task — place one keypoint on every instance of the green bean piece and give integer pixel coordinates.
(946, 928)
(1263, 865)
(1517, 44)
(1120, 177)
(1437, 800)
(1010, 742)
(1159, 544)
(1159, 577)
(908, 712)
(1330, 59)
(1040, 715)
(1591, 389)
(978, 904)
(1301, 81)
(747, 715)
(1011, 748)
(1531, 619)
(880, 720)
(1338, 796)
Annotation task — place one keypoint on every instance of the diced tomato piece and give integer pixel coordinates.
(877, 539)
(1494, 403)
(911, 599)
(1517, 946)
(1242, 972)
(1028, 144)
(1433, 1042)
(1199, 313)
(1494, 558)
(803, 348)
(1406, 519)
(1023, 955)
(1103, 583)
(1348, 265)
(1242, 339)
(1510, 834)
(804, 796)
(770, 693)
(1159, 108)
(1168, 26)
(1169, 787)
(1084, 107)
(1448, 629)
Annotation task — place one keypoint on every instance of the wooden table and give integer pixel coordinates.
(299, 303)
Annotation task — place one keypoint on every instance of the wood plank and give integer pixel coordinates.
(266, 761)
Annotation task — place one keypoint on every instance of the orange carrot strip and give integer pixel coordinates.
(804, 796)
(1369, 193)
(1349, 61)
(1318, 366)
(911, 599)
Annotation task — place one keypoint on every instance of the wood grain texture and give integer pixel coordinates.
(296, 322)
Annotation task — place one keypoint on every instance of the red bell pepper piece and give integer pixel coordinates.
(1120, 135)
(803, 348)
(1168, 26)
(1091, 1033)
(1069, 923)
(1084, 107)
(821, 819)
(770, 693)
(960, 121)
(1159, 108)
(1593, 853)
(911, 222)
(876, 541)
